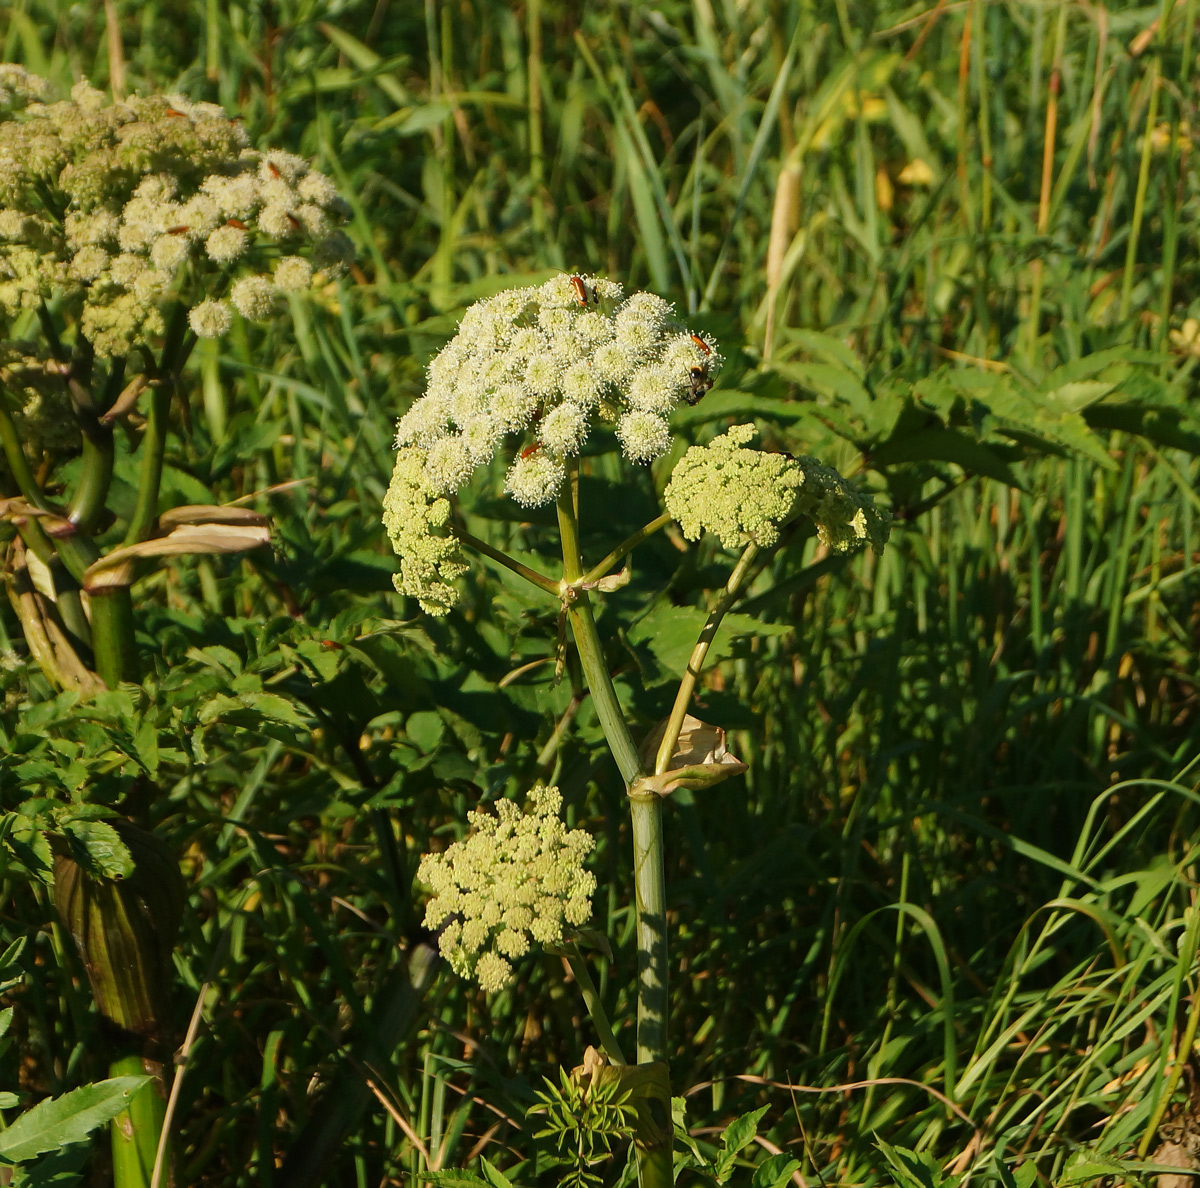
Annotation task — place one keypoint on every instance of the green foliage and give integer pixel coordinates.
(55, 1127)
(992, 723)
(586, 1122)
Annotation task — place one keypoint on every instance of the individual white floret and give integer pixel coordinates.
(655, 389)
(513, 406)
(481, 437)
(210, 319)
(448, 464)
(317, 188)
(201, 214)
(612, 363)
(563, 429)
(535, 479)
(543, 374)
(126, 268)
(254, 297)
(313, 219)
(157, 188)
(88, 263)
(292, 274)
(169, 251)
(226, 244)
(237, 196)
(644, 436)
(278, 221)
(579, 385)
(280, 165)
(426, 422)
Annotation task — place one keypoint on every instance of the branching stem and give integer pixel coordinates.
(624, 549)
(687, 686)
(530, 575)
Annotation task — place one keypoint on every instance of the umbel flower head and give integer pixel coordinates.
(546, 363)
(117, 209)
(517, 878)
(746, 495)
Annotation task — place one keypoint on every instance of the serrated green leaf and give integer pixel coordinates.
(774, 1171)
(275, 708)
(739, 1134)
(59, 1121)
(145, 747)
(493, 1176)
(98, 848)
(1074, 397)
(32, 849)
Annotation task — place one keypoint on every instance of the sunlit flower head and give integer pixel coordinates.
(744, 495)
(519, 877)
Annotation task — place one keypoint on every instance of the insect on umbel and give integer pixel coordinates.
(698, 378)
(582, 292)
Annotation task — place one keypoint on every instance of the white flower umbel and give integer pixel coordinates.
(117, 210)
(549, 363)
(517, 878)
(746, 495)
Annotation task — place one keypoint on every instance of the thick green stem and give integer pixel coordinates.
(591, 654)
(14, 455)
(654, 1165)
(112, 636)
(687, 686)
(96, 465)
(154, 444)
(135, 1131)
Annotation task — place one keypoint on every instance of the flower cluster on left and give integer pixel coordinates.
(117, 210)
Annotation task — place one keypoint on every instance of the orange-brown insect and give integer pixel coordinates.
(700, 382)
(293, 220)
(175, 115)
(582, 292)
(701, 344)
(183, 227)
(235, 223)
(530, 450)
(273, 169)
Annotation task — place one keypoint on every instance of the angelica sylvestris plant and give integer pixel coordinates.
(528, 378)
(128, 231)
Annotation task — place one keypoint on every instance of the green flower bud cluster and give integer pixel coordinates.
(38, 400)
(746, 495)
(415, 519)
(518, 877)
(121, 208)
(547, 362)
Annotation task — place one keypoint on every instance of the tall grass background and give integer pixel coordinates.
(952, 904)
